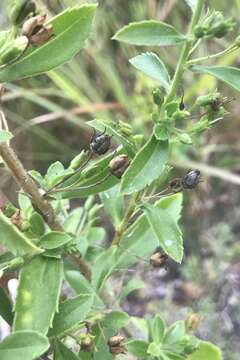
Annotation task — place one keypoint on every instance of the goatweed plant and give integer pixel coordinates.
(47, 243)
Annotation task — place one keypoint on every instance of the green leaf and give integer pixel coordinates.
(151, 65)
(14, 240)
(54, 239)
(5, 306)
(37, 224)
(227, 74)
(103, 267)
(157, 329)
(191, 3)
(166, 231)
(61, 352)
(149, 33)
(206, 351)
(113, 128)
(82, 286)
(139, 240)
(132, 285)
(113, 204)
(137, 348)
(175, 333)
(115, 320)
(71, 313)
(38, 294)
(23, 345)
(146, 167)
(5, 136)
(70, 28)
(154, 349)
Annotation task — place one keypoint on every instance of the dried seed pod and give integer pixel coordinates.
(192, 322)
(115, 345)
(33, 25)
(159, 260)
(42, 36)
(118, 165)
(100, 144)
(17, 220)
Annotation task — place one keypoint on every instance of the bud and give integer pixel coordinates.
(185, 138)
(100, 144)
(86, 342)
(199, 31)
(13, 49)
(180, 115)
(205, 100)
(158, 96)
(199, 126)
(77, 161)
(118, 165)
(125, 128)
(19, 10)
(192, 322)
(219, 27)
(159, 260)
(115, 345)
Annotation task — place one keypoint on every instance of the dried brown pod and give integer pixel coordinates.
(17, 220)
(115, 345)
(118, 165)
(33, 25)
(159, 260)
(42, 36)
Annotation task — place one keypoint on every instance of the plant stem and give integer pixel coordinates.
(185, 52)
(214, 56)
(41, 205)
(124, 223)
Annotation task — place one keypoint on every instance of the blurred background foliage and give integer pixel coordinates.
(48, 115)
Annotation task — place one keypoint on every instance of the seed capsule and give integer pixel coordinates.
(159, 260)
(118, 165)
(115, 345)
(33, 25)
(100, 144)
(191, 179)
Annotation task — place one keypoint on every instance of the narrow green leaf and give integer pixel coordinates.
(139, 240)
(175, 333)
(166, 231)
(71, 313)
(113, 129)
(149, 33)
(103, 267)
(115, 320)
(137, 348)
(38, 294)
(157, 329)
(132, 285)
(206, 351)
(5, 136)
(146, 167)
(70, 29)
(14, 240)
(82, 286)
(54, 239)
(151, 65)
(61, 352)
(227, 74)
(5, 307)
(113, 204)
(23, 345)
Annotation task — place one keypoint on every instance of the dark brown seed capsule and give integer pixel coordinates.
(42, 36)
(159, 260)
(118, 165)
(100, 144)
(115, 345)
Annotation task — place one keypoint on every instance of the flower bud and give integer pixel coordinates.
(185, 138)
(199, 126)
(77, 161)
(158, 96)
(86, 342)
(205, 100)
(19, 10)
(118, 165)
(13, 49)
(219, 27)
